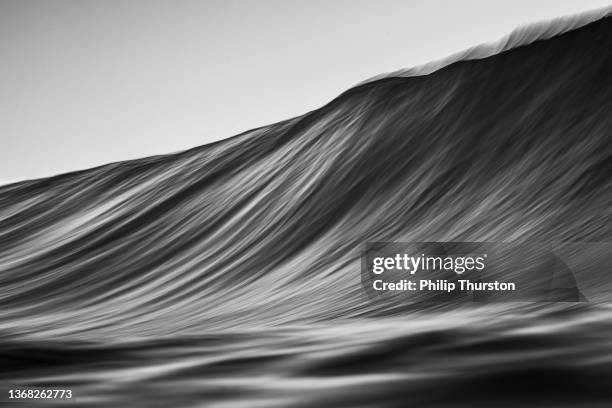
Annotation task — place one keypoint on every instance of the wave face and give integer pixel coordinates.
(229, 273)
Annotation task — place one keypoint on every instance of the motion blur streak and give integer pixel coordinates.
(229, 275)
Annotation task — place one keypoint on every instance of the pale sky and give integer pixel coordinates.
(87, 82)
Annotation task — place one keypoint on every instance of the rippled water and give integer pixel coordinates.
(229, 275)
(515, 355)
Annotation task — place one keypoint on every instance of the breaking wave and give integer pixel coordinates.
(521, 36)
(230, 272)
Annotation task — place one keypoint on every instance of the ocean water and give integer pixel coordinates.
(551, 355)
(229, 275)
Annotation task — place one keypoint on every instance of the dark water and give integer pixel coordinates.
(549, 356)
(229, 275)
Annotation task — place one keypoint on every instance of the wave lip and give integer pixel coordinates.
(521, 36)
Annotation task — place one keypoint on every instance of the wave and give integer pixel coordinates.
(266, 227)
(521, 36)
(231, 272)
